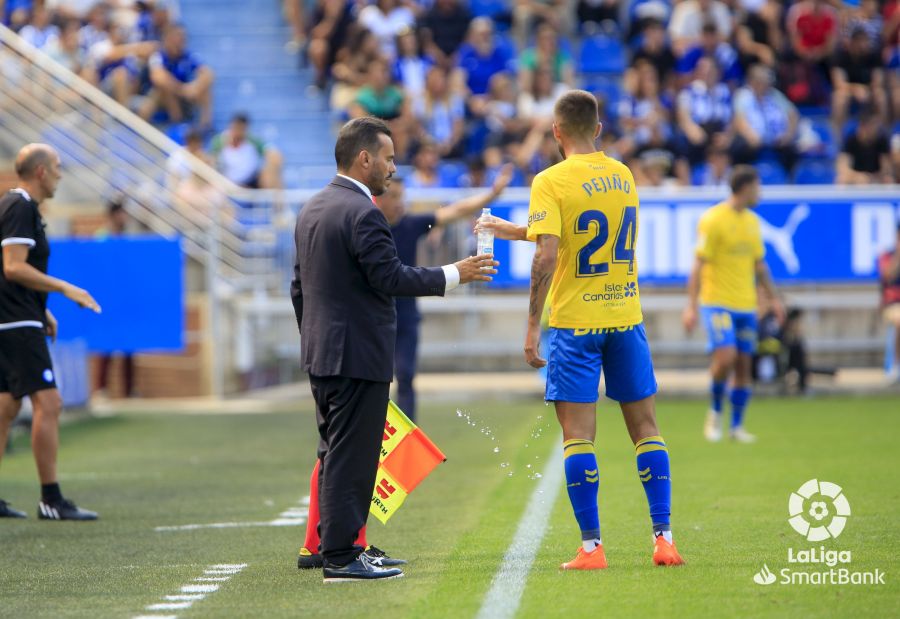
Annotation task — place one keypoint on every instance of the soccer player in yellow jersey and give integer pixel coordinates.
(583, 217)
(729, 265)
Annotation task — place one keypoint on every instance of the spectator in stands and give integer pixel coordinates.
(527, 13)
(546, 53)
(858, 78)
(889, 274)
(386, 19)
(382, 99)
(656, 167)
(505, 125)
(441, 114)
(812, 27)
(654, 48)
(536, 105)
(538, 152)
(717, 170)
(444, 28)
(40, 31)
(66, 50)
(425, 172)
(116, 64)
(758, 35)
(181, 81)
(891, 33)
(642, 115)
(178, 165)
(97, 27)
(481, 57)
(71, 9)
(711, 45)
(411, 65)
(116, 226)
(865, 155)
(152, 20)
(703, 112)
(866, 16)
(244, 159)
(351, 68)
(764, 120)
(16, 13)
(892, 73)
(688, 18)
(379, 97)
(330, 28)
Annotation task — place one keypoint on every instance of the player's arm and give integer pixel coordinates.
(502, 229)
(689, 316)
(471, 205)
(16, 269)
(764, 279)
(542, 267)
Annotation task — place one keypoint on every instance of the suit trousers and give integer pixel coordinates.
(350, 414)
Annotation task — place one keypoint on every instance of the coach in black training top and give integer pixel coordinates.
(25, 323)
(345, 277)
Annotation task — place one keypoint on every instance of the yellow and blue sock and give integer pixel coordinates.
(653, 470)
(740, 397)
(582, 483)
(717, 395)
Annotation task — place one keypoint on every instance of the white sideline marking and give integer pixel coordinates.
(293, 516)
(200, 588)
(502, 600)
(211, 579)
(192, 593)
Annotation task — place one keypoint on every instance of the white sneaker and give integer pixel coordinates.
(712, 429)
(740, 435)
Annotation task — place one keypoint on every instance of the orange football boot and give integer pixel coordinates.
(665, 553)
(594, 560)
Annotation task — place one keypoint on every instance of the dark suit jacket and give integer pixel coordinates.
(345, 277)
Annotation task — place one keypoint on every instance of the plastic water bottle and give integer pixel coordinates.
(485, 237)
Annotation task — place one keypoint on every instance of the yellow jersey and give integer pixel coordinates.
(730, 243)
(590, 203)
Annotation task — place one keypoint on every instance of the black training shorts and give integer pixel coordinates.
(25, 365)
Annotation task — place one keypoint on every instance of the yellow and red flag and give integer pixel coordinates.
(407, 457)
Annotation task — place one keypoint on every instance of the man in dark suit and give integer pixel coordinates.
(345, 278)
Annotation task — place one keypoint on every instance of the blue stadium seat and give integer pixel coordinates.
(814, 172)
(771, 173)
(488, 8)
(602, 54)
(450, 172)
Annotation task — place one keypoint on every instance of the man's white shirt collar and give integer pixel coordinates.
(22, 193)
(358, 184)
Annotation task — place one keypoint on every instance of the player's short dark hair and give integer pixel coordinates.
(115, 205)
(356, 136)
(241, 117)
(577, 113)
(741, 176)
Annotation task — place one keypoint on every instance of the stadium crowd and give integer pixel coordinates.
(808, 91)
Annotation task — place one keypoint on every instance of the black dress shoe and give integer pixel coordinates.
(8, 512)
(380, 558)
(307, 560)
(357, 570)
(64, 510)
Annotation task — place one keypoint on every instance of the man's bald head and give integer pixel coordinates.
(32, 157)
(37, 166)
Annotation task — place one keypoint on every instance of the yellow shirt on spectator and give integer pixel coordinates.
(730, 243)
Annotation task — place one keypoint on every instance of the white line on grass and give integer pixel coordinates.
(193, 593)
(293, 516)
(502, 601)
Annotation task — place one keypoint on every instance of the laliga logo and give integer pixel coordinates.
(818, 510)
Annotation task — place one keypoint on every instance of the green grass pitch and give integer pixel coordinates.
(730, 516)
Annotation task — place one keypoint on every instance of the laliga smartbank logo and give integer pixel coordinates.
(818, 511)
